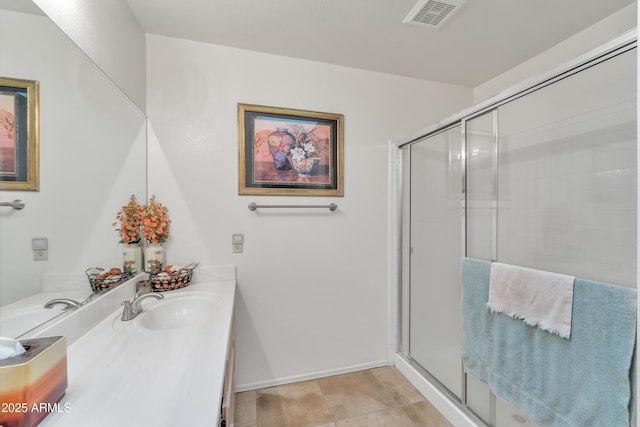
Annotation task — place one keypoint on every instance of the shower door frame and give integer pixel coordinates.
(619, 45)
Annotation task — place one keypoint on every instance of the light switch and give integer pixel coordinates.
(39, 243)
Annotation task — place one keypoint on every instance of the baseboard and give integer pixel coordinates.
(451, 411)
(309, 376)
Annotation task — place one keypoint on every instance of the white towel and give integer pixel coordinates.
(539, 298)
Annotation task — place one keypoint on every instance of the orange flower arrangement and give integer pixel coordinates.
(154, 223)
(129, 221)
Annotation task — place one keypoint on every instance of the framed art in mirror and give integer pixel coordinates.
(287, 152)
(19, 134)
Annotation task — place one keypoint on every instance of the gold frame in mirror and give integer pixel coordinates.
(19, 126)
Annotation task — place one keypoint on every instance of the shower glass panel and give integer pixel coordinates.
(436, 237)
(551, 184)
(545, 179)
(480, 135)
(567, 175)
(480, 202)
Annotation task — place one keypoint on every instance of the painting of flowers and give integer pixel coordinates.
(289, 152)
(19, 138)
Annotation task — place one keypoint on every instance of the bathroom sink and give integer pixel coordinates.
(177, 312)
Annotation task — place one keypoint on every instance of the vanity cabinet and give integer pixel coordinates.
(197, 363)
(228, 401)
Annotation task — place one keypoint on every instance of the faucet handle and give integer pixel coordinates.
(133, 308)
(127, 312)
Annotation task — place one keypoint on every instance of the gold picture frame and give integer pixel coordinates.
(19, 134)
(289, 152)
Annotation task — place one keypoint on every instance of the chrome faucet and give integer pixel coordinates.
(134, 307)
(68, 303)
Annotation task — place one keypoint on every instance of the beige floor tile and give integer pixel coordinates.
(292, 405)
(402, 391)
(394, 417)
(426, 415)
(405, 394)
(354, 394)
(246, 414)
(374, 398)
(245, 396)
(389, 376)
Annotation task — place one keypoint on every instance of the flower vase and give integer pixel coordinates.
(304, 166)
(279, 143)
(153, 258)
(132, 258)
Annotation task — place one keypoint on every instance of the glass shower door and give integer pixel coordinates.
(436, 236)
(551, 184)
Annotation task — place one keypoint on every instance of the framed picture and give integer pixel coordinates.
(19, 138)
(289, 152)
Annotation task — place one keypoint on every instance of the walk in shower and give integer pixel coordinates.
(545, 178)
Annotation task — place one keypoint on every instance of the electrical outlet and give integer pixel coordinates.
(40, 247)
(237, 240)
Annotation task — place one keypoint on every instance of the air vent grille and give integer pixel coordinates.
(433, 14)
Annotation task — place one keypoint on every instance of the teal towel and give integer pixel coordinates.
(586, 380)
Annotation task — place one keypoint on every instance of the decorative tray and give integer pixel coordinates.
(172, 278)
(102, 280)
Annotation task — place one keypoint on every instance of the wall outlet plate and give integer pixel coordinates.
(237, 240)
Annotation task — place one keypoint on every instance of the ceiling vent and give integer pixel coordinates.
(433, 14)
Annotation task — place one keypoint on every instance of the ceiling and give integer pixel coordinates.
(481, 40)
(21, 6)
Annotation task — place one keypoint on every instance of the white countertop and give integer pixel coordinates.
(22, 316)
(122, 376)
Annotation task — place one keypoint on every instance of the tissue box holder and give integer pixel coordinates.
(32, 383)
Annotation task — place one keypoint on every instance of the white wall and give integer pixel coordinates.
(108, 32)
(596, 35)
(312, 284)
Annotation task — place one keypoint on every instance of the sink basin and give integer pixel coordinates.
(177, 312)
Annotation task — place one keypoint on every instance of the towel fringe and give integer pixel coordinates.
(497, 309)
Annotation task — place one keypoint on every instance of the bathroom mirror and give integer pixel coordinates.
(92, 157)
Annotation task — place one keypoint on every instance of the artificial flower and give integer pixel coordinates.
(128, 216)
(304, 145)
(154, 223)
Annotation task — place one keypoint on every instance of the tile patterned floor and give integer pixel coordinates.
(371, 398)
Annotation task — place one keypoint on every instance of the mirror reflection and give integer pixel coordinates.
(92, 159)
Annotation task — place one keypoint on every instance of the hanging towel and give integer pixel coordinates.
(539, 298)
(587, 380)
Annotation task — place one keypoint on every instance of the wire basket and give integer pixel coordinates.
(164, 281)
(102, 281)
